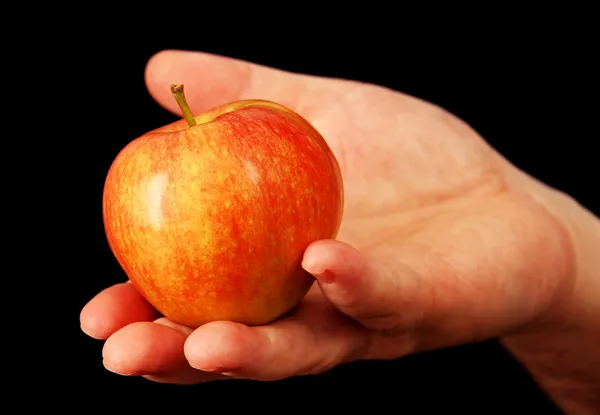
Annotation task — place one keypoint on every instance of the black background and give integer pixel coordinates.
(524, 92)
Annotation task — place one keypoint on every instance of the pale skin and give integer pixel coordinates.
(443, 242)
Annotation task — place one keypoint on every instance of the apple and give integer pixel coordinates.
(209, 216)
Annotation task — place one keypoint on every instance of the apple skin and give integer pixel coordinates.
(210, 222)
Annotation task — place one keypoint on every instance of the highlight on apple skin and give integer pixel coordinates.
(209, 216)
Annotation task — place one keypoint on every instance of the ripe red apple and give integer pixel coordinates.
(209, 216)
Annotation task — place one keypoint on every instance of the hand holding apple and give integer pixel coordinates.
(443, 243)
(210, 216)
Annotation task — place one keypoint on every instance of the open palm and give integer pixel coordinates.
(441, 242)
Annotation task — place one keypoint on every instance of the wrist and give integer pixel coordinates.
(563, 353)
(579, 305)
(577, 302)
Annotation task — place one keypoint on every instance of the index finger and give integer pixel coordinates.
(211, 80)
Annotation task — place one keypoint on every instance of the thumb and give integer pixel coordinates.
(470, 277)
(361, 288)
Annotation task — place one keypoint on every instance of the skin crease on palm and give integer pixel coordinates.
(443, 242)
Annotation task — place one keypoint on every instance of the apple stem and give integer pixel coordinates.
(177, 90)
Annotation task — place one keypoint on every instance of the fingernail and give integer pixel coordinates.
(325, 277)
(89, 332)
(227, 371)
(108, 367)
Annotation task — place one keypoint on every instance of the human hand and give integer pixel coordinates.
(443, 242)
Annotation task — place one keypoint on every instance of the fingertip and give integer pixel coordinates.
(158, 74)
(151, 64)
(90, 332)
(112, 309)
(222, 346)
(209, 79)
(327, 257)
(92, 323)
(144, 348)
(316, 256)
